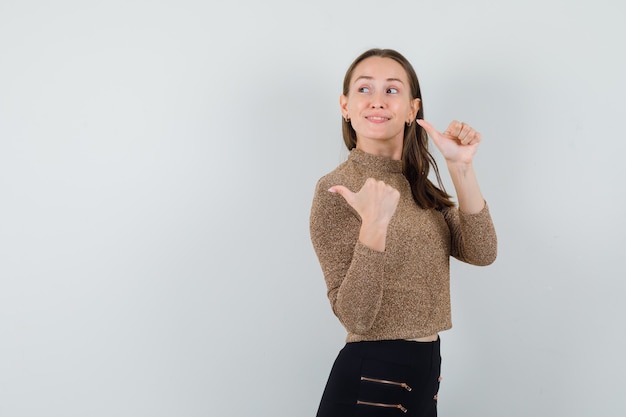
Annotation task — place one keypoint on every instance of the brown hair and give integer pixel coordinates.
(416, 158)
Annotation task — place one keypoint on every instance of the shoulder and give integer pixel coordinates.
(327, 205)
(346, 174)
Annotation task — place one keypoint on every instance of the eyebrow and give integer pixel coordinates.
(367, 77)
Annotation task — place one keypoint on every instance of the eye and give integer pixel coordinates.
(392, 90)
(364, 89)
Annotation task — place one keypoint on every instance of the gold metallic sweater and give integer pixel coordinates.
(403, 292)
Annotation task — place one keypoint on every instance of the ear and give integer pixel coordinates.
(343, 103)
(416, 103)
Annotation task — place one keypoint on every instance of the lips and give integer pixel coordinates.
(377, 118)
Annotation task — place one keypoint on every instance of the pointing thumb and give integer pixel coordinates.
(430, 129)
(341, 190)
(427, 126)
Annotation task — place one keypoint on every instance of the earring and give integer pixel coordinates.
(409, 123)
(346, 118)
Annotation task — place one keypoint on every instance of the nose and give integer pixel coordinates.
(378, 101)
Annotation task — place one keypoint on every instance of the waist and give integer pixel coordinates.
(398, 351)
(431, 338)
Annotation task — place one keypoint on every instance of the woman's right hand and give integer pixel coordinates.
(375, 202)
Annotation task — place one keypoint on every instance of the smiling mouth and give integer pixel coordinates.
(377, 119)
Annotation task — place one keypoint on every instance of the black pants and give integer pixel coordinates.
(383, 378)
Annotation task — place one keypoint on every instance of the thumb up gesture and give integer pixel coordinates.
(376, 203)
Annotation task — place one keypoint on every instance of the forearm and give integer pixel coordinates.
(353, 270)
(357, 300)
(468, 192)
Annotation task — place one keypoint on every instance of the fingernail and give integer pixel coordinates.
(331, 190)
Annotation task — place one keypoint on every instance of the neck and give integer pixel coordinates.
(385, 149)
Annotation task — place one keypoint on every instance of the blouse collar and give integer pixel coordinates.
(376, 162)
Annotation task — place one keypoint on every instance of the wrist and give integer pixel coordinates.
(463, 165)
(374, 234)
(459, 168)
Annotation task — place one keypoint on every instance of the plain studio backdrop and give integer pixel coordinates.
(157, 165)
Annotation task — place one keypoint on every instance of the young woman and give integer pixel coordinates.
(384, 234)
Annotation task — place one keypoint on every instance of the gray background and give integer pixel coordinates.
(157, 164)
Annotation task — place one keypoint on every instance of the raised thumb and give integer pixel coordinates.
(341, 190)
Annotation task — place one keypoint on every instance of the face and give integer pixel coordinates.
(379, 102)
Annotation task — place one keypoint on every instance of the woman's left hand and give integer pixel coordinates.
(458, 143)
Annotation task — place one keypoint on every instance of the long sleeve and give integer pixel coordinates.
(403, 292)
(473, 236)
(353, 272)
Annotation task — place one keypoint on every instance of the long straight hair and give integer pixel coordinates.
(416, 158)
